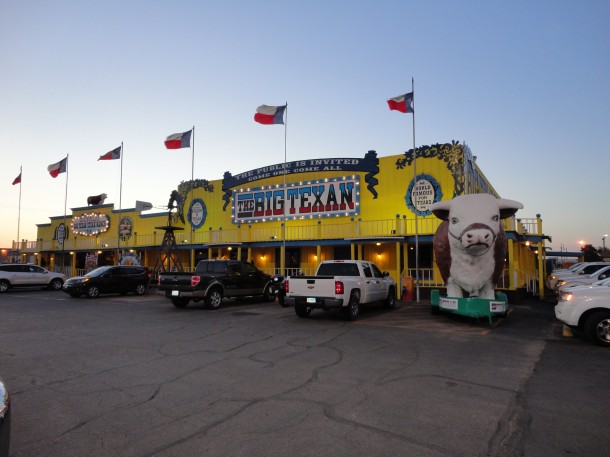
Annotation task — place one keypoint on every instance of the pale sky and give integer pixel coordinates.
(526, 85)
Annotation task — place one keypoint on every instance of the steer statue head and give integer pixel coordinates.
(470, 244)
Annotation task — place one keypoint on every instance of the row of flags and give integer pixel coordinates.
(265, 114)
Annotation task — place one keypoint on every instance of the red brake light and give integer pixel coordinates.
(195, 280)
(286, 286)
(338, 287)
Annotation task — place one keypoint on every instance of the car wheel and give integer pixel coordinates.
(597, 328)
(302, 310)
(4, 285)
(353, 308)
(140, 289)
(390, 301)
(93, 292)
(213, 299)
(180, 302)
(269, 294)
(56, 284)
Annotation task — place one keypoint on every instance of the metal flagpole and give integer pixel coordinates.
(414, 183)
(192, 252)
(118, 243)
(63, 240)
(283, 272)
(19, 212)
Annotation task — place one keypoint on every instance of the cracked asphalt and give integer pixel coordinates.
(134, 376)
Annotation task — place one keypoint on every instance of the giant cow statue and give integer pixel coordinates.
(96, 199)
(470, 244)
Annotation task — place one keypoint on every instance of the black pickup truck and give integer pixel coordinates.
(214, 279)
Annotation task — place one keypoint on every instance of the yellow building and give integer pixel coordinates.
(289, 217)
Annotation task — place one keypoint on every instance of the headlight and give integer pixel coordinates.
(566, 296)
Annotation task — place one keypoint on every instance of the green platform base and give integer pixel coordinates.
(471, 307)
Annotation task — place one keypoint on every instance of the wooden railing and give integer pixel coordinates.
(397, 227)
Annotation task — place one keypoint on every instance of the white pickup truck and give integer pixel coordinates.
(340, 284)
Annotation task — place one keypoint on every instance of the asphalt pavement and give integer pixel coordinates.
(134, 376)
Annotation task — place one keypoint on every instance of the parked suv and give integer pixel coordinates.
(28, 275)
(110, 279)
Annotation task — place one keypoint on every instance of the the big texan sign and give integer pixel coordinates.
(305, 200)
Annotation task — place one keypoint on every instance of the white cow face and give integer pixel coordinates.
(474, 220)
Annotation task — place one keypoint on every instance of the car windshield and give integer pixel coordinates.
(97, 272)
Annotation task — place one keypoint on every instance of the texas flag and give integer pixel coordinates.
(17, 180)
(270, 114)
(57, 168)
(179, 140)
(403, 103)
(112, 155)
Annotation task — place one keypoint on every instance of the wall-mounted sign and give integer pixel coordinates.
(369, 165)
(422, 192)
(197, 213)
(305, 200)
(90, 224)
(125, 228)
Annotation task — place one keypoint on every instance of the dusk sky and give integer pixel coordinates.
(526, 85)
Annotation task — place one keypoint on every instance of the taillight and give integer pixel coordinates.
(338, 287)
(286, 286)
(195, 280)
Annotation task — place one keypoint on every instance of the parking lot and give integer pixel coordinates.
(134, 376)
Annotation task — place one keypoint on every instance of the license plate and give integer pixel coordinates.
(311, 300)
(175, 293)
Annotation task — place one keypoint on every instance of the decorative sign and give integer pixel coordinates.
(497, 306)
(197, 213)
(90, 224)
(448, 303)
(130, 258)
(331, 197)
(422, 192)
(90, 262)
(369, 165)
(125, 228)
(61, 232)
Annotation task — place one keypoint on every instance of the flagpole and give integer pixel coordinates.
(283, 271)
(118, 240)
(63, 241)
(192, 252)
(414, 183)
(19, 212)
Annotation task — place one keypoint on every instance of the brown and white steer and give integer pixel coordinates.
(96, 199)
(470, 244)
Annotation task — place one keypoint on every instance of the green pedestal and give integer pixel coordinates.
(471, 307)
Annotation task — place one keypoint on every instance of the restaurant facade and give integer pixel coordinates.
(287, 217)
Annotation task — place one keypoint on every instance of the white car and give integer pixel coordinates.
(587, 310)
(28, 275)
(602, 273)
(586, 269)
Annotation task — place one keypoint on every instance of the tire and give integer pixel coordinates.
(56, 284)
(180, 302)
(302, 310)
(140, 289)
(269, 294)
(597, 328)
(4, 285)
(390, 301)
(93, 292)
(353, 308)
(214, 299)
